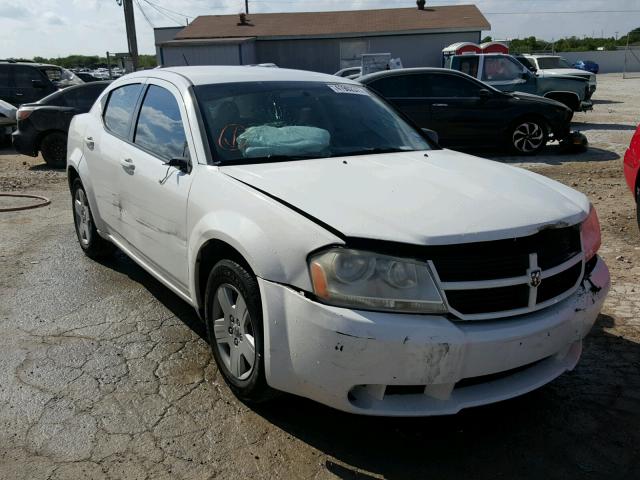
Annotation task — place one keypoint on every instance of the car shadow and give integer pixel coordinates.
(551, 155)
(121, 263)
(44, 167)
(603, 126)
(582, 425)
(604, 102)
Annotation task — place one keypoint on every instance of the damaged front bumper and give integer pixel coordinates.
(378, 363)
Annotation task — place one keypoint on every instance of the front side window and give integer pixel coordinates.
(501, 69)
(159, 127)
(266, 121)
(453, 86)
(119, 109)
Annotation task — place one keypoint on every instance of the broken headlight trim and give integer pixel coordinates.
(366, 280)
(590, 235)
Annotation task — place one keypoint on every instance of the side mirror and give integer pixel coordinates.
(431, 135)
(181, 163)
(484, 94)
(525, 75)
(37, 84)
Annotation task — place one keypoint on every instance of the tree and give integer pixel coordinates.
(487, 39)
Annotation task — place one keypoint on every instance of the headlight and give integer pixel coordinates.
(590, 233)
(359, 279)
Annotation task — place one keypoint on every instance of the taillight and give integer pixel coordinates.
(590, 233)
(23, 113)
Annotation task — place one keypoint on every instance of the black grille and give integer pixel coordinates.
(558, 284)
(505, 258)
(488, 300)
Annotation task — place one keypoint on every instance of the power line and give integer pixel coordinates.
(144, 14)
(170, 11)
(179, 22)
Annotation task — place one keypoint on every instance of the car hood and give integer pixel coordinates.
(529, 97)
(439, 198)
(573, 72)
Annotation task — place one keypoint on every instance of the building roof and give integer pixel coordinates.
(338, 24)
(208, 41)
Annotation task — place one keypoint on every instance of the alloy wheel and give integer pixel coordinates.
(82, 217)
(234, 332)
(528, 137)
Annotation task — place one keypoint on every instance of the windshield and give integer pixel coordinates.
(61, 77)
(269, 121)
(553, 62)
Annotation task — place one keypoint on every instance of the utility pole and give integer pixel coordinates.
(246, 7)
(131, 31)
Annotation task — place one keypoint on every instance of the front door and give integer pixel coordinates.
(154, 195)
(461, 116)
(507, 74)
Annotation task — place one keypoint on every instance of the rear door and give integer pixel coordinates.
(29, 84)
(154, 195)
(106, 138)
(408, 93)
(6, 90)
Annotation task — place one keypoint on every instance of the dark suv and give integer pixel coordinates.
(22, 82)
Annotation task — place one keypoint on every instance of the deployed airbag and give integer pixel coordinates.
(267, 141)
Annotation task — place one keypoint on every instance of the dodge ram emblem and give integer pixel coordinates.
(536, 278)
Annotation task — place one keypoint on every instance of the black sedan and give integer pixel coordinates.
(468, 114)
(43, 125)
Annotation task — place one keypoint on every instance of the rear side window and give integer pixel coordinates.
(24, 76)
(159, 127)
(119, 110)
(401, 86)
(4, 75)
(82, 98)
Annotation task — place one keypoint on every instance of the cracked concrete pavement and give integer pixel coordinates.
(104, 373)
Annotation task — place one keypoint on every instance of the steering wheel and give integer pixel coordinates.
(228, 138)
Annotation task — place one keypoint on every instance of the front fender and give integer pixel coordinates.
(273, 239)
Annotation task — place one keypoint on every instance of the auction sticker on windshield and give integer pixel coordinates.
(345, 88)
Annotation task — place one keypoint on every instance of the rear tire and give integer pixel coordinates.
(92, 244)
(54, 149)
(233, 316)
(528, 136)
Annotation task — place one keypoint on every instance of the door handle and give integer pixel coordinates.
(90, 143)
(128, 165)
(440, 104)
(19, 94)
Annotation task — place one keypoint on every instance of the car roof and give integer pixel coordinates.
(398, 71)
(29, 64)
(210, 74)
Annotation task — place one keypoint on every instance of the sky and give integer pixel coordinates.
(51, 28)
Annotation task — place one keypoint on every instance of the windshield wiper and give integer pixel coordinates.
(268, 159)
(373, 151)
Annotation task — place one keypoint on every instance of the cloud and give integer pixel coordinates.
(13, 11)
(51, 18)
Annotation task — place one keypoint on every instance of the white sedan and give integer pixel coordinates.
(332, 249)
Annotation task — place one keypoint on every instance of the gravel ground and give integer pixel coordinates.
(104, 373)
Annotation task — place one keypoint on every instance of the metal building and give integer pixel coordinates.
(321, 41)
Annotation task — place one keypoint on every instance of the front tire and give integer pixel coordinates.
(528, 136)
(92, 244)
(54, 149)
(233, 316)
